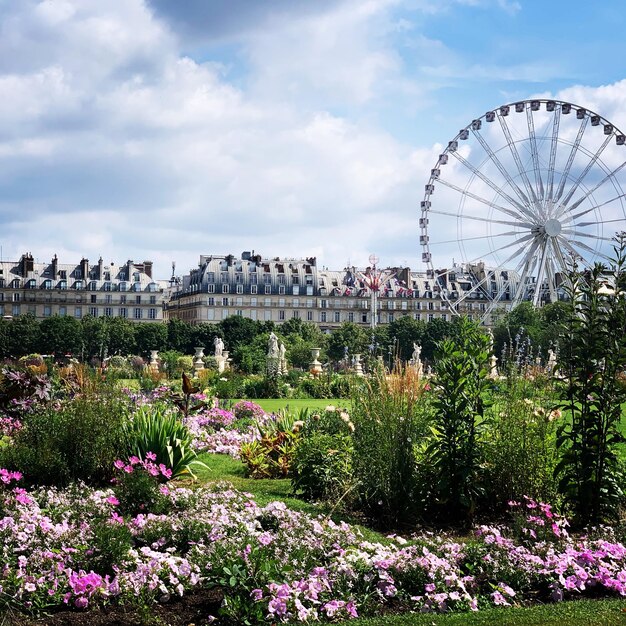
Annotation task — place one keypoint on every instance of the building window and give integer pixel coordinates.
(152, 299)
(324, 304)
(268, 289)
(322, 316)
(62, 311)
(108, 311)
(224, 288)
(309, 316)
(16, 297)
(137, 313)
(47, 311)
(281, 289)
(225, 313)
(239, 288)
(267, 315)
(268, 302)
(337, 316)
(252, 288)
(252, 301)
(281, 302)
(62, 284)
(295, 290)
(364, 318)
(93, 298)
(295, 279)
(295, 315)
(211, 288)
(351, 316)
(78, 311)
(238, 277)
(281, 316)
(152, 314)
(253, 279)
(224, 277)
(224, 301)
(211, 301)
(239, 312)
(431, 317)
(137, 287)
(210, 314)
(152, 287)
(239, 301)
(267, 279)
(210, 277)
(16, 309)
(295, 303)
(390, 317)
(137, 299)
(107, 286)
(123, 312)
(93, 311)
(136, 277)
(309, 303)
(107, 298)
(123, 286)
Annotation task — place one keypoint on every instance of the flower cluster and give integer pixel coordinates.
(148, 464)
(248, 410)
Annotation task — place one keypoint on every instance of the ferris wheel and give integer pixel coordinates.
(514, 196)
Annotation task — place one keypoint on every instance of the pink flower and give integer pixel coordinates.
(151, 456)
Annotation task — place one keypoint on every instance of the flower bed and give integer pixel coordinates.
(75, 547)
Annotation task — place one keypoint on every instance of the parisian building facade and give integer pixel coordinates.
(79, 289)
(276, 290)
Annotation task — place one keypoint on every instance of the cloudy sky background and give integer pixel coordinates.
(155, 129)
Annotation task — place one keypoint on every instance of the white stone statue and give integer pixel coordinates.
(282, 359)
(551, 364)
(219, 346)
(417, 351)
(273, 350)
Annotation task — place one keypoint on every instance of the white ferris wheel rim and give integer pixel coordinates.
(548, 208)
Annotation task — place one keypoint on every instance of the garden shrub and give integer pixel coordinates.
(78, 440)
(520, 451)
(272, 455)
(455, 455)
(593, 355)
(390, 415)
(322, 460)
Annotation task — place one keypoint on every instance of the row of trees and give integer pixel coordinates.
(246, 339)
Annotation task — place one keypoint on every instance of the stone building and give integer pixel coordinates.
(275, 289)
(78, 289)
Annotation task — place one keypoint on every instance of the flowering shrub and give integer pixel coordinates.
(248, 410)
(137, 486)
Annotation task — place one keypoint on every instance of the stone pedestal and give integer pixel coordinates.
(198, 363)
(154, 363)
(358, 367)
(315, 367)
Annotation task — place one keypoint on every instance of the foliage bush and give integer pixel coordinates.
(520, 443)
(322, 460)
(592, 357)
(77, 440)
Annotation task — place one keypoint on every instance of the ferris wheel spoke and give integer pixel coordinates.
(552, 276)
(570, 243)
(534, 152)
(540, 271)
(510, 233)
(594, 189)
(481, 219)
(469, 194)
(619, 219)
(584, 173)
(556, 122)
(516, 157)
(570, 159)
(587, 235)
(488, 181)
(594, 207)
(496, 161)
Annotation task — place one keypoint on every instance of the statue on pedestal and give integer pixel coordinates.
(219, 346)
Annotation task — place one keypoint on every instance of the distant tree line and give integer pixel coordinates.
(246, 340)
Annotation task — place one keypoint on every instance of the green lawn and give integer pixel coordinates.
(271, 405)
(574, 613)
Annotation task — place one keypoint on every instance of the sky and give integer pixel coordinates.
(163, 130)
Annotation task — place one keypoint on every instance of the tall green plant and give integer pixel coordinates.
(158, 430)
(461, 381)
(593, 356)
(390, 414)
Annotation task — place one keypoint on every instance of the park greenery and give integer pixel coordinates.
(466, 490)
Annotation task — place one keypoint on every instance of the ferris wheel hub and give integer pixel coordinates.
(552, 228)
